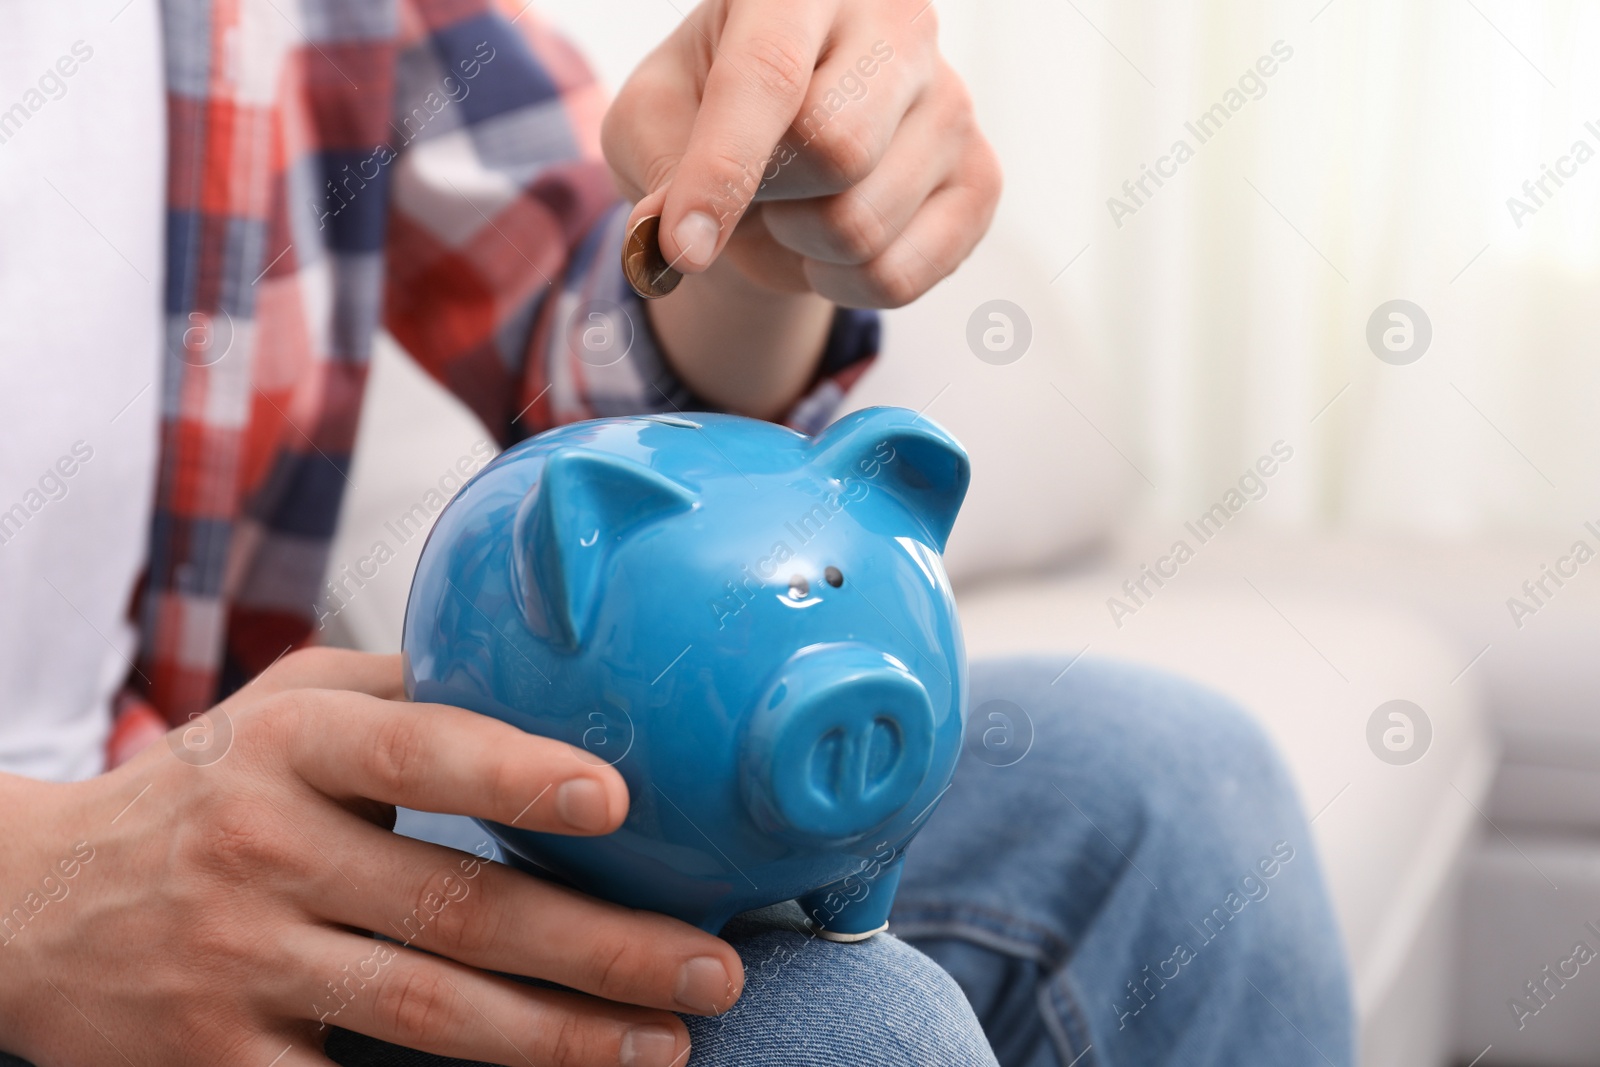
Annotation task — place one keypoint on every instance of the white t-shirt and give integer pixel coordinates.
(82, 223)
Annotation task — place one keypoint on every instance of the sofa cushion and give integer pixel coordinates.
(1538, 670)
(1043, 439)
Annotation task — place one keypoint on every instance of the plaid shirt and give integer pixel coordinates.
(335, 166)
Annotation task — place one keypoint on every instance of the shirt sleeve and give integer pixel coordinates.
(503, 268)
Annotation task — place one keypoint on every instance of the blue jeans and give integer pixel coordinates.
(1120, 876)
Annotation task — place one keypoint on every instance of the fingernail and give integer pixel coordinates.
(703, 986)
(650, 1045)
(581, 803)
(697, 239)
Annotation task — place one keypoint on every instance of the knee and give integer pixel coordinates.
(1197, 750)
(1146, 754)
(808, 1002)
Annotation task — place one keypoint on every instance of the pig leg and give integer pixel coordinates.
(857, 906)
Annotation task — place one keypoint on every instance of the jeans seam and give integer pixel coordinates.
(1052, 950)
(1073, 1029)
(1057, 1002)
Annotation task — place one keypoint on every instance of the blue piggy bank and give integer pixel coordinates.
(753, 626)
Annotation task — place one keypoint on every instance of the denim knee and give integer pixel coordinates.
(808, 1002)
(1165, 750)
(1145, 851)
(1140, 792)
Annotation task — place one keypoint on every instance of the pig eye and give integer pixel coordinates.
(834, 577)
(799, 588)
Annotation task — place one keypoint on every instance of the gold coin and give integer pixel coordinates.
(643, 264)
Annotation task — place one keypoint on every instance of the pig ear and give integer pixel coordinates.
(906, 455)
(583, 505)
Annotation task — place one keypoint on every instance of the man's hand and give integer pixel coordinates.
(824, 145)
(216, 907)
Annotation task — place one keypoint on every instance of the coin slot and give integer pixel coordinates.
(672, 420)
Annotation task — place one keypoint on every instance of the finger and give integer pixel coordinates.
(494, 917)
(335, 668)
(433, 1005)
(760, 69)
(858, 99)
(754, 252)
(443, 759)
(859, 224)
(927, 249)
(288, 1051)
(646, 128)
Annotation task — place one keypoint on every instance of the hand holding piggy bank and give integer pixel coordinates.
(753, 626)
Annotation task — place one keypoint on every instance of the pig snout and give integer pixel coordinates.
(841, 741)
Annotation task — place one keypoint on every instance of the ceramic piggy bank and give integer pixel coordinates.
(753, 626)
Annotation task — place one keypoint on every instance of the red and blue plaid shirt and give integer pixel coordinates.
(337, 167)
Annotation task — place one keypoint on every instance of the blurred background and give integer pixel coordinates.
(1376, 164)
(1343, 352)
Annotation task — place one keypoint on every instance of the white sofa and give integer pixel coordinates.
(1310, 634)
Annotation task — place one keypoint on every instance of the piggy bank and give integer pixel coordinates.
(753, 626)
